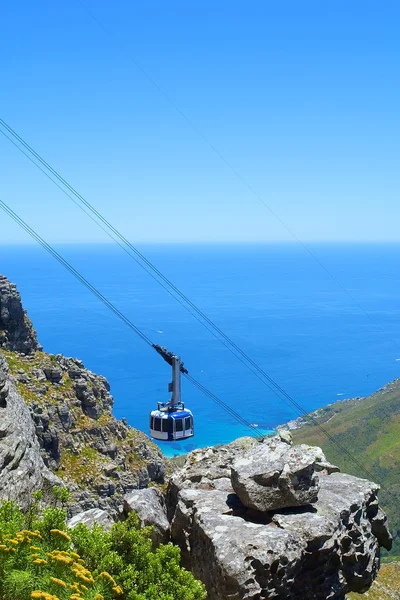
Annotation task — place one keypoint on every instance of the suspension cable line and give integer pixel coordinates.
(234, 170)
(7, 209)
(146, 339)
(272, 385)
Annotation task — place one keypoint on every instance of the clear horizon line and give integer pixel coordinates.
(201, 242)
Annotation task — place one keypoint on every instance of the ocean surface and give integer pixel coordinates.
(290, 315)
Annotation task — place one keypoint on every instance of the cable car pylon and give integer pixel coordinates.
(172, 421)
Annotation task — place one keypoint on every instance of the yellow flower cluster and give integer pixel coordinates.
(39, 595)
(60, 556)
(69, 560)
(107, 577)
(61, 534)
(82, 573)
(5, 548)
(117, 589)
(59, 582)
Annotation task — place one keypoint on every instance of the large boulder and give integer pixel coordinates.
(149, 505)
(275, 475)
(313, 552)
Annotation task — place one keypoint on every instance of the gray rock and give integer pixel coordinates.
(22, 470)
(275, 475)
(285, 436)
(318, 552)
(53, 374)
(16, 331)
(150, 507)
(90, 517)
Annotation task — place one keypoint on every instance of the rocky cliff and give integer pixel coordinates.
(275, 521)
(22, 469)
(254, 521)
(16, 331)
(67, 411)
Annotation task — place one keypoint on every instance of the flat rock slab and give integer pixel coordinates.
(90, 517)
(275, 475)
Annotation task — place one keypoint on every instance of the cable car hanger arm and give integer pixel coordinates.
(168, 357)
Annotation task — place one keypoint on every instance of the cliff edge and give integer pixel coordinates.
(65, 411)
(253, 519)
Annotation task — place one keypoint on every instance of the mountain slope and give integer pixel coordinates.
(67, 409)
(369, 428)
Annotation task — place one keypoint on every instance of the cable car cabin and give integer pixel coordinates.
(171, 423)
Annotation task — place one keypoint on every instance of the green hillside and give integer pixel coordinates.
(385, 587)
(369, 428)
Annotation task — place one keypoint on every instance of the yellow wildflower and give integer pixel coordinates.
(62, 559)
(40, 561)
(107, 576)
(59, 582)
(84, 588)
(84, 578)
(98, 597)
(117, 589)
(74, 555)
(34, 548)
(62, 534)
(14, 542)
(36, 594)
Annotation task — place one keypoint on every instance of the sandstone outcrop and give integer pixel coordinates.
(16, 331)
(22, 470)
(315, 551)
(66, 412)
(275, 475)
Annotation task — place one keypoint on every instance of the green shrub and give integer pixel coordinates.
(47, 561)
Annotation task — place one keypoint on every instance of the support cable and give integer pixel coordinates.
(272, 385)
(117, 312)
(233, 169)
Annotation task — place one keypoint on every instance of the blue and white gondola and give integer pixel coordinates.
(172, 421)
(169, 425)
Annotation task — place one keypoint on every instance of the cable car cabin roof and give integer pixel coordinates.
(179, 414)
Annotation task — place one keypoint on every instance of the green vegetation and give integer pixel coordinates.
(385, 587)
(369, 428)
(41, 392)
(40, 559)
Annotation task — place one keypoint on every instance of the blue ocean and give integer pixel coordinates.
(323, 333)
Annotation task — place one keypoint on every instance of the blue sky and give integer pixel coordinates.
(301, 98)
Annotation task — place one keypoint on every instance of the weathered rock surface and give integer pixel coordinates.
(16, 331)
(315, 552)
(149, 505)
(22, 470)
(90, 517)
(98, 458)
(275, 475)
